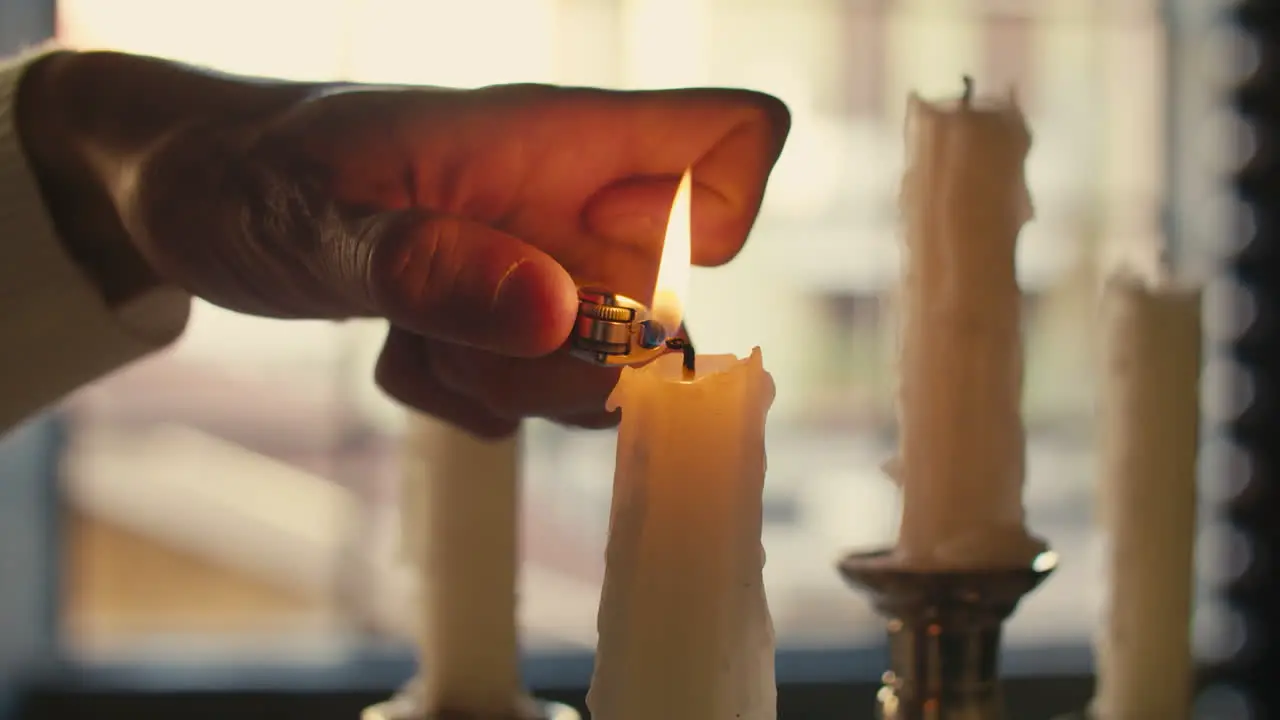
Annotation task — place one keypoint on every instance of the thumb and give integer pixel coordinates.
(464, 282)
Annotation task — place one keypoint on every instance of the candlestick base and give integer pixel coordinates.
(407, 705)
(944, 633)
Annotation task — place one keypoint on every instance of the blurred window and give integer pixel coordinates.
(240, 489)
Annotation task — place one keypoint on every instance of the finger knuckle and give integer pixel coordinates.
(383, 375)
(433, 271)
(468, 372)
(407, 261)
(502, 400)
(392, 378)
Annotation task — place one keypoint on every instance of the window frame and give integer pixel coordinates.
(862, 21)
(1009, 39)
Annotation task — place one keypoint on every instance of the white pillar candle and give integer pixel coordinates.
(961, 458)
(1149, 417)
(685, 632)
(460, 502)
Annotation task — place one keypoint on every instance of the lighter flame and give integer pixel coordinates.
(672, 285)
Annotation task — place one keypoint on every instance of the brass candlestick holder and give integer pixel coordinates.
(944, 633)
(407, 705)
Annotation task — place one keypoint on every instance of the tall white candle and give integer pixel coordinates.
(961, 458)
(685, 632)
(1149, 417)
(460, 502)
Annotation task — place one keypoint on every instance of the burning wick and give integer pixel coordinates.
(690, 355)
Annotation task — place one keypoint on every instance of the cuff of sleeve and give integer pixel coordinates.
(56, 330)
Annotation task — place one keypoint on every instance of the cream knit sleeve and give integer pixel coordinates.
(56, 331)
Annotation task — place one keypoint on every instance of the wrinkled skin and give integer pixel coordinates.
(465, 218)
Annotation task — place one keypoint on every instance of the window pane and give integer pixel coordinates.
(243, 485)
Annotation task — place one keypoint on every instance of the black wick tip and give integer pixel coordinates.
(685, 347)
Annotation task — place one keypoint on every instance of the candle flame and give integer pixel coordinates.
(672, 284)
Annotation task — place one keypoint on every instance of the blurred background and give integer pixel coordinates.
(235, 497)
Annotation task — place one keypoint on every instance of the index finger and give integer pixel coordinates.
(731, 138)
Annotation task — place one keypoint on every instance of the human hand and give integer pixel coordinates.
(465, 218)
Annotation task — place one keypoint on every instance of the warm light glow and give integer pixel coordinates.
(672, 286)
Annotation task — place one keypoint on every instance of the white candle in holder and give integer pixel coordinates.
(460, 503)
(685, 632)
(1149, 418)
(962, 451)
